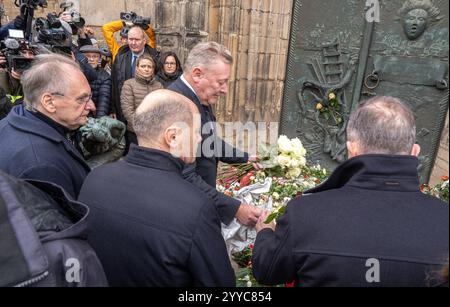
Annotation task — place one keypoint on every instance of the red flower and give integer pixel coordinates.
(290, 285)
(245, 181)
(252, 246)
(444, 178)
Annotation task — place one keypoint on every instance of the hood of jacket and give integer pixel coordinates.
(32, 213)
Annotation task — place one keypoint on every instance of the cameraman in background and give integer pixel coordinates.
(16, 56)
(128, 20)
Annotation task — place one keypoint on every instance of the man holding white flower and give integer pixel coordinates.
(368, 224)
(205, 79)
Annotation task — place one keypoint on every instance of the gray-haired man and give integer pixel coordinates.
(34, 138)
(206, 75)
(369, 224)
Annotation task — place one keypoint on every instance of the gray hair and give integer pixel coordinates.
(48, 74)
(207, 54)
(165, 110)
(383, 125)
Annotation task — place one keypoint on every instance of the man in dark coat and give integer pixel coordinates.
(207, 71)
(166, 232)
(35, 138)
(101, 87)
(125, 64)
(369, 224)
(43, 240)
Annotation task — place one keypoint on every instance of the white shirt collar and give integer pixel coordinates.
(188, 85)
(139, 54)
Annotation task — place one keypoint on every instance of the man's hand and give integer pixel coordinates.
(128, 24)
(248, 215)
(16, 75)
(88, 31)
(66, 16)
(256, 165)
(2, 59)
(260, 225)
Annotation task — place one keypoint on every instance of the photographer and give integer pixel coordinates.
(11, 92)
(111, 28)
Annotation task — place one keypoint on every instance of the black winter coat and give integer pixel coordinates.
(43, 239)
(121, 72)
(150, 227)
(203, 173)
(32, 149)
(101, 93)
(370, 217)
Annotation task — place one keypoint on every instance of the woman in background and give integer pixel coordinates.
(169, 69)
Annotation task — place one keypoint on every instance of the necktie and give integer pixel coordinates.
(133, 65)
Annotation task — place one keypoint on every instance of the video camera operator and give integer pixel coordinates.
(16, 56)
(77, 23)
(127, 21)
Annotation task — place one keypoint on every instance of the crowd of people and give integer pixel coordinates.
(154, 217)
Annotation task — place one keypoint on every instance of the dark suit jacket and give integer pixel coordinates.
(150, 227)
(203, 173)
(370, 214)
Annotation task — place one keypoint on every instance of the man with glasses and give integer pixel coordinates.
(124, 66)
(35, 138)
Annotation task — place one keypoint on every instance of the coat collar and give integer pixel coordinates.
(375, 172)
(145, 81)
(180, 86)
(153, 158)
(25, 121)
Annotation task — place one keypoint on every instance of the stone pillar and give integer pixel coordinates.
(442, 160)
(180, 25)
(257, 33)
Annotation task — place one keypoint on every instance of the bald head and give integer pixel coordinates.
(382, 125)
(160, 110)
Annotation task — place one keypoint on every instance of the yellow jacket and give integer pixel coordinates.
(110, 28)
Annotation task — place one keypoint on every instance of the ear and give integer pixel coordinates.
(48, 103)
(170, 137)
(197, 74)
(353, 149)
(416, 150)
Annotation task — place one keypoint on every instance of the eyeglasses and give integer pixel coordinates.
(80, 100)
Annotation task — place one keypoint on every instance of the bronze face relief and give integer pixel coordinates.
(416, 16)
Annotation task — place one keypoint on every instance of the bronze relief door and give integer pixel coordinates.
(345, 51)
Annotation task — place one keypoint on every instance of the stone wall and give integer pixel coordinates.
(442, 161)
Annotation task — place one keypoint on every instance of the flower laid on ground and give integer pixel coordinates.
(440, 190)
(286, 167)
(286, 176)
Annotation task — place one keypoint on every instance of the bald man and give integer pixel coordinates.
(166, 232)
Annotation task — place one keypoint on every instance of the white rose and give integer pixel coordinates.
(295, 163)
(297, 148)
(284, 160)
(249, 284)
(294, 173)
(284, 144)
(276, 196)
